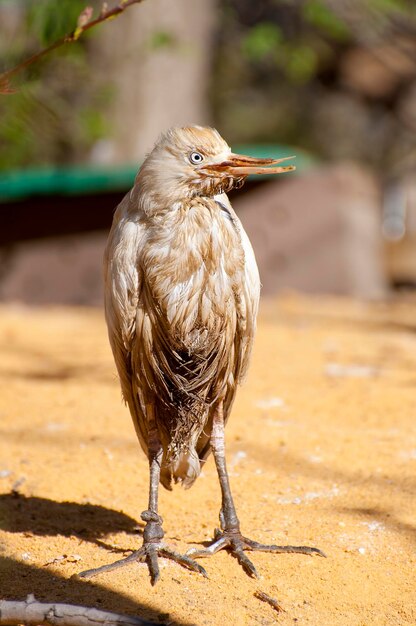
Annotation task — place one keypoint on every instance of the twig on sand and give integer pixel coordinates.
(30, 612)
(264, 597)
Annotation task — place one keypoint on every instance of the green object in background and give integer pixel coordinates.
(47, 181)
(80, 180)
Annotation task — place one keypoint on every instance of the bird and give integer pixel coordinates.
(182, 292)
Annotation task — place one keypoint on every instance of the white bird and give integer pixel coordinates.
(181, 298)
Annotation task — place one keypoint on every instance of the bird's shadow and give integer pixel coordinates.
(40, 516)
(43, 517)
(18, 580)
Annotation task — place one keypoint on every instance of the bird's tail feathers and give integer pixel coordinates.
(183, 468)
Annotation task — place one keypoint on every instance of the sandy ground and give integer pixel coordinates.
(321, 451)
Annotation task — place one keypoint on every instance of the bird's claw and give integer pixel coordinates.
(235, 543)
(149, 554)
(184, 560)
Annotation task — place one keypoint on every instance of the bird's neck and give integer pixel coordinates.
(162, 206)
(156, 193)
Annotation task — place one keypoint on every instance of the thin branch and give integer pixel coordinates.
(264, 597)
(84, 23)
(30, 612)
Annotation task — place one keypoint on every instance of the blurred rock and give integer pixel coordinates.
(64, 270)
(319, 232)
(399, 230)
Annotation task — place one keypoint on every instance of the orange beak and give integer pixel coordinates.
(238, 165)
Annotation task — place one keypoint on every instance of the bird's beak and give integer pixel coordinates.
(238, 165)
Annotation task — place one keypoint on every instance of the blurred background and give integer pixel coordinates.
(332, 81)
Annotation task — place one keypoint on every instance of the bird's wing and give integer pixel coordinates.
(247, 307)
(247, 303)
(122, 282)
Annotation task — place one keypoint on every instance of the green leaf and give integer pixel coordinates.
(315, 12)
(93, 124)
(162, 39)
(391, 6)
(49, 20)
(301, 63)
(261, 41)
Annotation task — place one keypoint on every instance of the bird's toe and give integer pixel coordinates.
(234, 542)
(245, 562)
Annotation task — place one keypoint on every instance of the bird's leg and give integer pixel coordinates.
(153, 532)
(229, 536)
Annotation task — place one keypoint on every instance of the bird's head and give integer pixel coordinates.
(196, 161)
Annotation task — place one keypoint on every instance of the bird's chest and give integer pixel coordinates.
(194, 267)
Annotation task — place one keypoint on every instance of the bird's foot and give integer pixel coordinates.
(234, 542)
(152, 548)
(148, 553)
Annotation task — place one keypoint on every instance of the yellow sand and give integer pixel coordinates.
(321, 451)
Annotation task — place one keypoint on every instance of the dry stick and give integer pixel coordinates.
(264, 597)
(33, 613)
(84, 23)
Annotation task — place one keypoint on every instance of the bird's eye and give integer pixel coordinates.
(196, 158)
